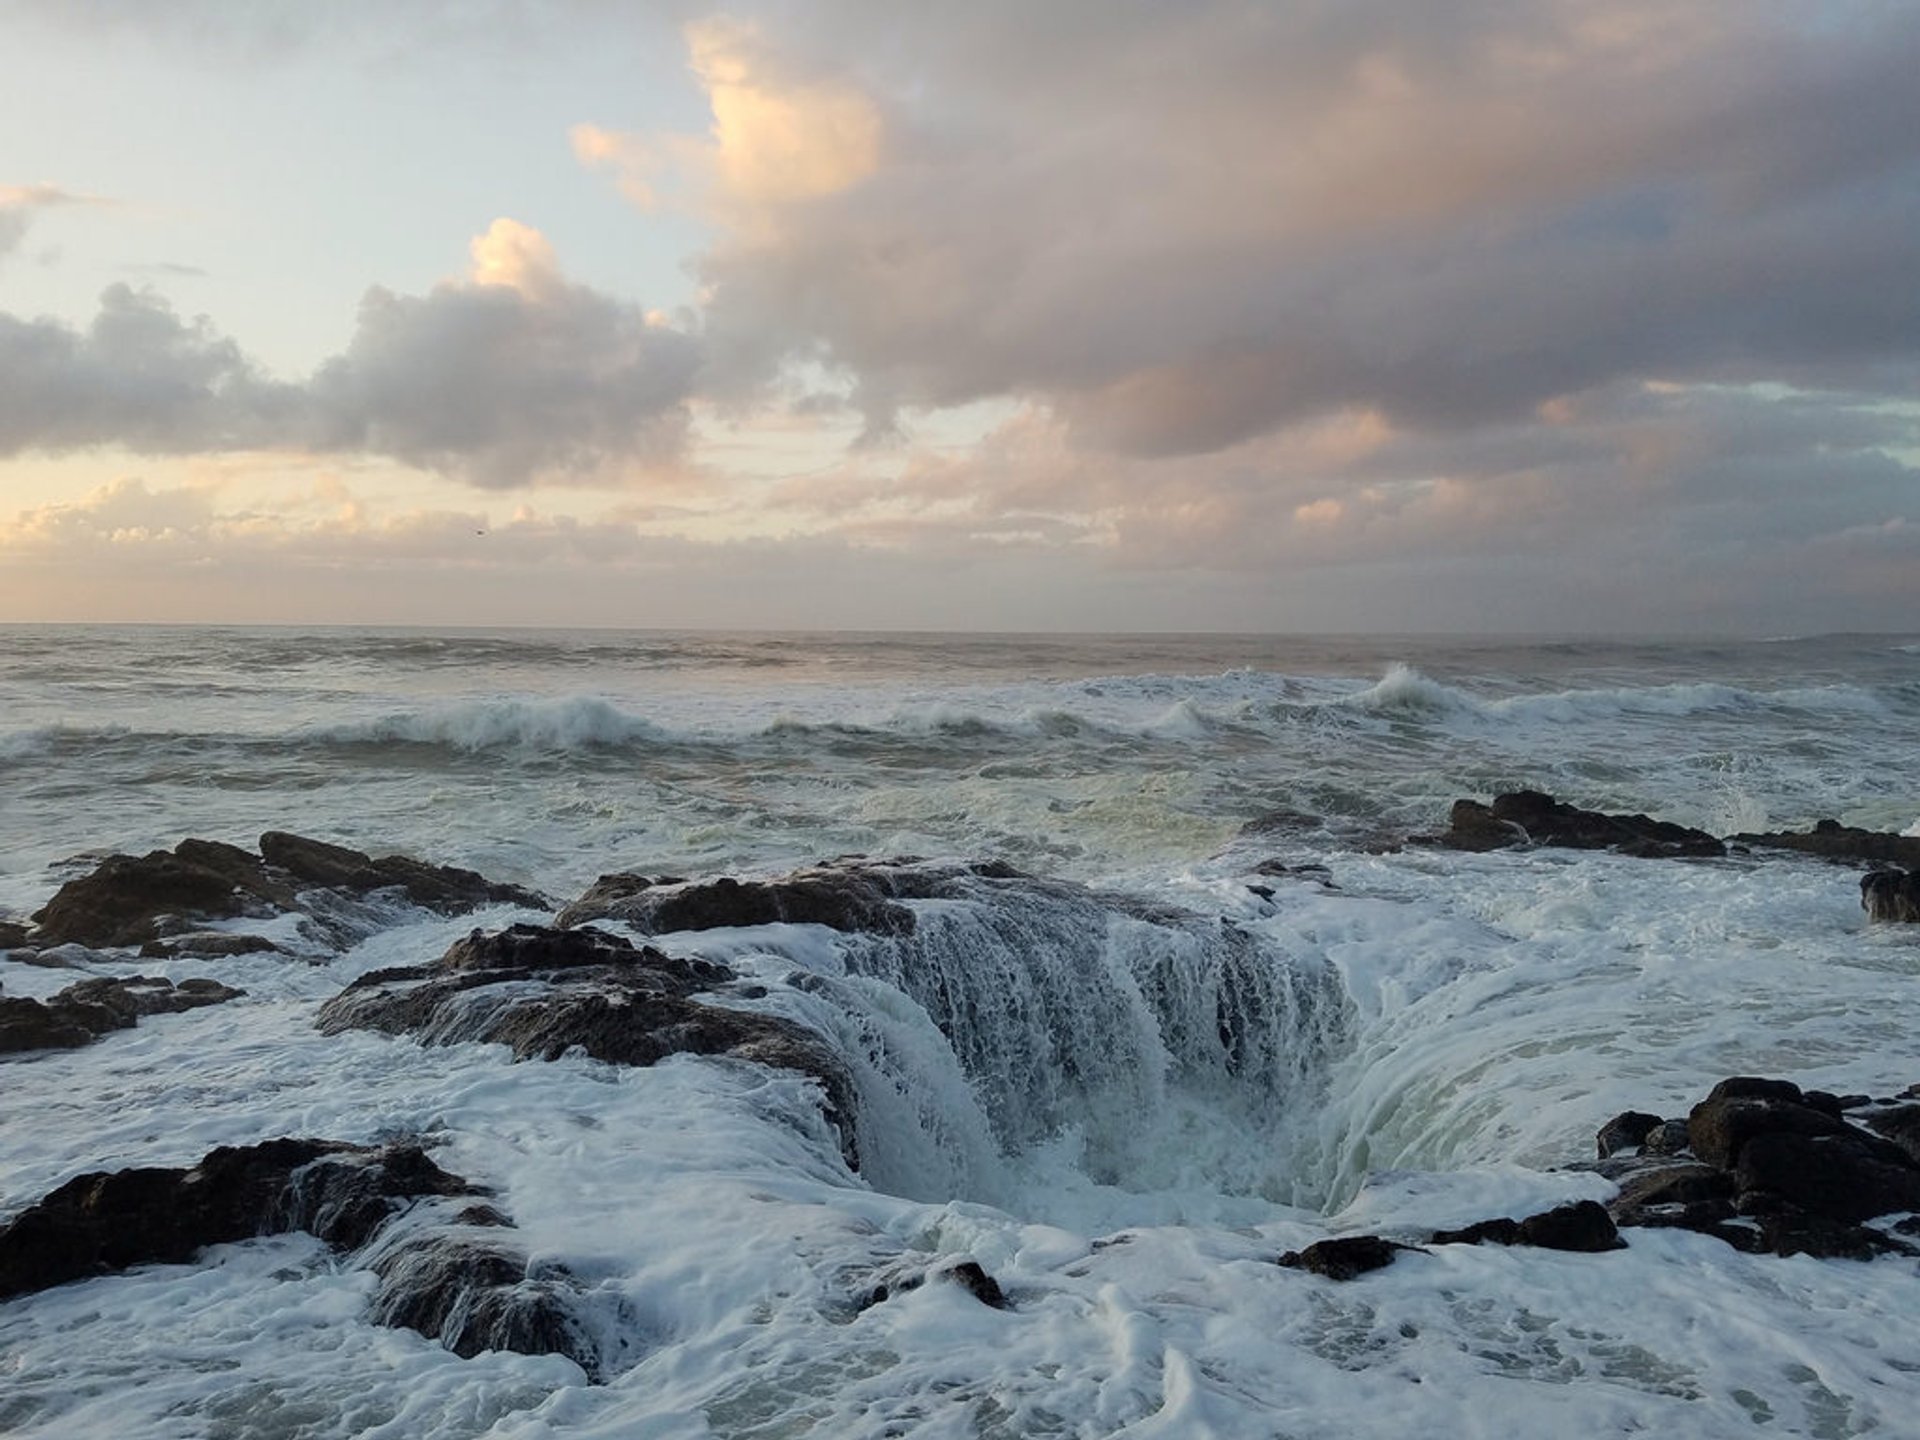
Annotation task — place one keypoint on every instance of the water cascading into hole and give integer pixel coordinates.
(1029, 1038)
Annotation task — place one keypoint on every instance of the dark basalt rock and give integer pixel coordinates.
(128, 900)
(1899, 1124)
(1776, 1170)
(446, 889)
(208, 945)
(1626, 1131)
(104, 1222)
(31, 1025)
(13, 935)
(854, 898)
(1473, 826)
(83, 1012)
(967, 1274)
(1738, 1109)
(472, 1291)
(1891, 895)
(135, 900)
(1528, 816)
(1669, 1137)
(543, 992)
(1583, 1226)
(1835, 841)
(1345, 1257)
(1847, 1177)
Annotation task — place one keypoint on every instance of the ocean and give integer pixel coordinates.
(1422, 1037)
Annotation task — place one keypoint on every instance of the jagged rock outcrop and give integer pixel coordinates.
(1770, 1168)
(144, 899)
(83, 1012)
(107, 1221)
(543, 991)
(1523, 817)
(451, 1275)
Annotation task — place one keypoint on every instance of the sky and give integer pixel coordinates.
(1474, 316)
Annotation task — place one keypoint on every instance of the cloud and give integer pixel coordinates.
(138, 376)
(513, 375)
(778, 138)
(1734, 507)
(508, 377)
(1181, 227)
(18, 204)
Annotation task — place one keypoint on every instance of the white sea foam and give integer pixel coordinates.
(1042, 1087)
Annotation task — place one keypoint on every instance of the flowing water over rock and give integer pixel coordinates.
(1173, 999)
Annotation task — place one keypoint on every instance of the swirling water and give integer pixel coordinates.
(1122, 1095)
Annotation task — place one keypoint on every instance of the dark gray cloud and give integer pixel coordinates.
(138, 376)
(498, 385)
(495, 384)
(1186, 225)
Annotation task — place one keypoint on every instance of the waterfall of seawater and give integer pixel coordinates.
(1025, 1036)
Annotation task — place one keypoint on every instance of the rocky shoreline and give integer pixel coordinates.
(1757, 1163)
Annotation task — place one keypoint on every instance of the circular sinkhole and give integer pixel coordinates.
(1074, 1057)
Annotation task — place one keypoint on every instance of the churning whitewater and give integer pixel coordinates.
(1148, 982)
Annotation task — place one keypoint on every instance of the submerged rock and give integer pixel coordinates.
(83, 1012)
(208, 945)
(1835, 841)
(1892, 895)
(1523, 817)
(144, 899)
(967, 1274)
(474, 1292)
(1345, 1257)
(543, 992)
(1583, 1226)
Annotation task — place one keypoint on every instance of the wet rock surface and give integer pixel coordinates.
(107, 1221)
(84, 1011)
(1344, 1257)
(854, 897)
(441, 1273)
(1770, 1168)
(544, 991)
(1583, 1226)
(1523, 817)
(968, 1275)
(145, 899)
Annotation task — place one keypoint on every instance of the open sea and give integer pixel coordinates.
(1437, 1034)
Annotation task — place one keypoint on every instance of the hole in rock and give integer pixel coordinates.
(1081, 1059)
